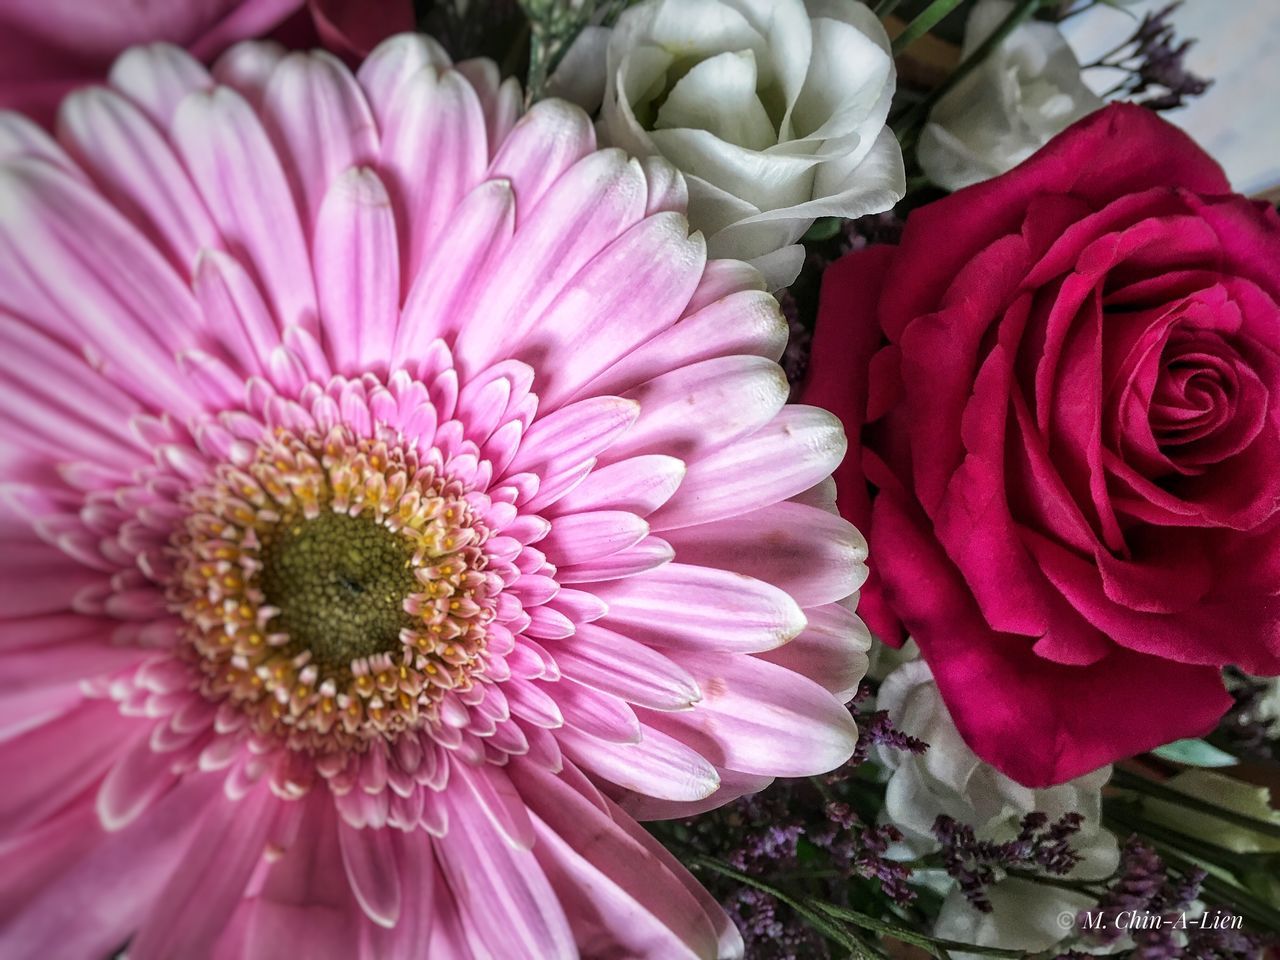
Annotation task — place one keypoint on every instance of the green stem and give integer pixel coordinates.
(907, 127)
(1175, 852)
(1128, 780)
(885, 7)
(1200, 849)
(925, 21)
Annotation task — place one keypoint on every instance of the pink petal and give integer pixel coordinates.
(493, 792)
(543, 145)
(318, 117)
(137, 170)
(621, 899)
(579, 537)
(748, 323)
(491, 879)
(499, 99)
(369, 862)
(436, 117)
(214, 871)
(239, 175)
(357, 270)
(639, 485)
(815, 556)
(832, 650)
(613, 663)
(137, 780)
(234, 310)
(659, 765)
(156, 77)
(481, 227)
(60, 759)
(562, 442)
(589, 207)
(634, 288)
(74, 264)
(759, 718)
(390, 66)
(691, 607)
(649, 554)
(801, 446)
(601, 715)
(695, 409)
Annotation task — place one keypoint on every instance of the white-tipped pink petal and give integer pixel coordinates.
(369, 860)
(435, 116)
(579, 537)
(762, 718)
(230, 158)
(691, 607)
(658, 766)
(616, 664)
(392, 63)
(815, 556)
(542, 146)
(588, 208)
(157, 77)
(799, 447)
(482, 226)
(832, 650)
(357, 268)
(491, 879)
(137, 169)
(639, 485)
(319, 116)
(697, 408)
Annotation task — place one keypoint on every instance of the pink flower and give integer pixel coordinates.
(397, 503)
(49, 47)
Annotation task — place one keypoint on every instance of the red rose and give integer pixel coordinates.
(1066, 385)
(49, 47)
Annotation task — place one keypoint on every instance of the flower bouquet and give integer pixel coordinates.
(636, 479)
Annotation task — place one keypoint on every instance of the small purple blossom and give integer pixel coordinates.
(975, 864)
(1154, 60)
(877, 729)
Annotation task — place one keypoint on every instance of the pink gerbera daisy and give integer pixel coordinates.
(396, 504)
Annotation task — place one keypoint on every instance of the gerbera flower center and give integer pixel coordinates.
(340, 583)
(334, 588)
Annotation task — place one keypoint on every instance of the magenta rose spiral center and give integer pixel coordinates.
(333, 588)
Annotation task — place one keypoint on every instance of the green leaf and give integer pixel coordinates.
(824, 228)
(1195, 753)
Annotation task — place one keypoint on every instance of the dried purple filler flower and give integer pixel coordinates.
(876, 729)
(974, 864)
(1155, 63)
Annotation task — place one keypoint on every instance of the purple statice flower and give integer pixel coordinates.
(1154, 60)
(875, 729)
(1143, 886)
(770, 934)
(975, 864)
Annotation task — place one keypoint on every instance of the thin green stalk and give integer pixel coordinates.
(1200, 849)
(1127, 780)
(829, 912)
(885, 7)
(925, 21)
(1176, 854)
(908, 126)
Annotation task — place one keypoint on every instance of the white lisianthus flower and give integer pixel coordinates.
(950, 779)
(774, 110)
(1028, 90)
